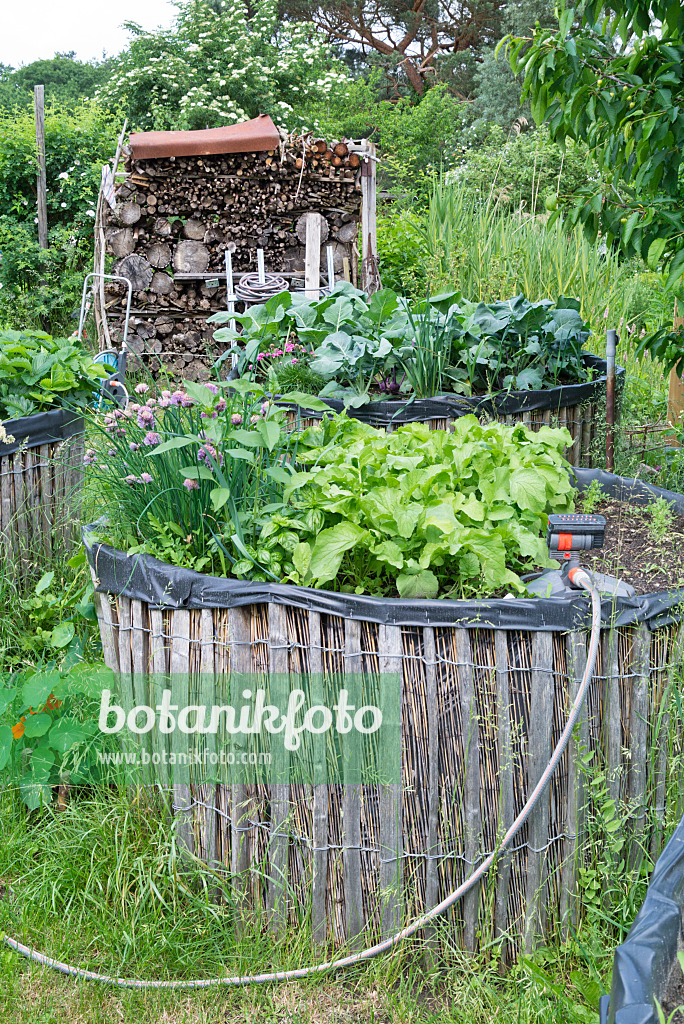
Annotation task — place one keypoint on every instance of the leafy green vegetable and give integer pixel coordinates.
(418, 512)
(38, 372)
(351, 346)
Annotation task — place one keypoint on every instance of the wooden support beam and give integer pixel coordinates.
(39, 100)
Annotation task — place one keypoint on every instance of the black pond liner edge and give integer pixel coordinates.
(47, 427)
(145, 578)
(512, 403)
(642, 963)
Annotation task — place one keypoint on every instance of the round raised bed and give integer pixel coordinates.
(579, 407)
(485, 688)
(646, 969)
(40, 472)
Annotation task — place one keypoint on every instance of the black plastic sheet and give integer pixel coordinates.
(643, 962)
(165, 586)
(512, 403)
(41, 428)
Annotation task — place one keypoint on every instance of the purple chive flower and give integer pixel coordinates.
(208, 452)
(131, 479)
(141, 389)
(133, 406)
(111, 453)
(134, 447)
(254, 418)
(236, 419)
(220, 405)
(151, 402)
(146, 478)
(265, 406)
(164, 403)
(192, 485)
(151, 438)
(211, 387)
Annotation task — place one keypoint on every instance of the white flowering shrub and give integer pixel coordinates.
(218, 65)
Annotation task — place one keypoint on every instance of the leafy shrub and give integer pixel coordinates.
(221, 63)
(77, 143)
(514, 167)
(413, 137)
(417, 511)
(38, 372)
(41, 287)
(401, 258)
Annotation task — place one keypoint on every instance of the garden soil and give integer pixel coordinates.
(636, 551)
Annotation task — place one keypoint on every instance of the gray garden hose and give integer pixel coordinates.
(581, 579)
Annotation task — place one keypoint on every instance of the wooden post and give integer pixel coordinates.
(369, 236)
(39, 96)
(312, 259)
(675, 397)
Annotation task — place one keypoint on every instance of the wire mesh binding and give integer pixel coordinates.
(472, 748)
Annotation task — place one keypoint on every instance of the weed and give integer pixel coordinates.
(592, 497)
(660, 520)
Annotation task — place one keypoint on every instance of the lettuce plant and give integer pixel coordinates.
(418, 512)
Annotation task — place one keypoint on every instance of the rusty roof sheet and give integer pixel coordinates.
(249, 137)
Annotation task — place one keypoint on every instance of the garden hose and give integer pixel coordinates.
(581, 579)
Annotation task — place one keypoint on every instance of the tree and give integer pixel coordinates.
(415, 41)
(221, 64)
(67, 81)
(618, 85)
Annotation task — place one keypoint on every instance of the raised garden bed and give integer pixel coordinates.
(580, 408)
(362, 860)
(646, 970)
(41, 472)
(388, 360)
(45, 385)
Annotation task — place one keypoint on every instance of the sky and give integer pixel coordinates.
(43, 27)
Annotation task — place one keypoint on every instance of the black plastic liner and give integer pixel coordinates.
(512, 403)
(643, 962)
(41, 428)
(165, 586)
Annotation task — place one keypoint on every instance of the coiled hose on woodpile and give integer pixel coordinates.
(581, 579)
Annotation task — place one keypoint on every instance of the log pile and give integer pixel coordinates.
(176, 217)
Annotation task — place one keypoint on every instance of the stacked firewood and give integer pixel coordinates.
(176, 217)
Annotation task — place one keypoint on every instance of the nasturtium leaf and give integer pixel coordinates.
(38, 688)
(6, 698)
(42, 762)
(62, 635)
(65, 734)
(37, 725)
(35, 794)
(6, 738)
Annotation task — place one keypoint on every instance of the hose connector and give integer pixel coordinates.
(580, 578)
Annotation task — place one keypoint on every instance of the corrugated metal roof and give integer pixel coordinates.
(249, 137)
